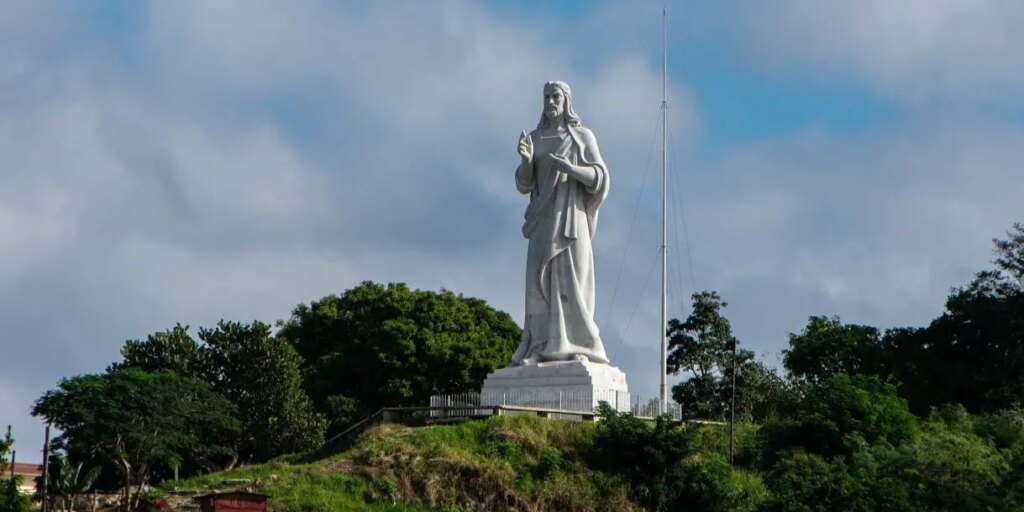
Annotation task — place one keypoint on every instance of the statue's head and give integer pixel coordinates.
(558, 106)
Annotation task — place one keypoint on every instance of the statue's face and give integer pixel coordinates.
(554, 103)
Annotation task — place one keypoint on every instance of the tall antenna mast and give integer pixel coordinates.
(663, 395)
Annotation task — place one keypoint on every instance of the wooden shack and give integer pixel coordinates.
(233, 502)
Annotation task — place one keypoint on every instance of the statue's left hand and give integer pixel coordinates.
(562, 163)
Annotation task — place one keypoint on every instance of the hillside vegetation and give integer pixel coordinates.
(849, 444)
(502, 463)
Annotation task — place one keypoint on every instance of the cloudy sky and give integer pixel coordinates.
(166, 162)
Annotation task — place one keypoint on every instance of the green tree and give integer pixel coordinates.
(1010, 253)
(68, 481)
(835, 417)
(174, 349)
(376, 346)
(973, 354)
(949, 467)
(710, 484)
(649, 458)
(261, 375)
(257, 371)
(809, 482)
(702, 346)
(140, 420)
(826, 347)
(761, 394)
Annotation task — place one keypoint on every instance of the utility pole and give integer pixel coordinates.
(732, 409)
(44, 504)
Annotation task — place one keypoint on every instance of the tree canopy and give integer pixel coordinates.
(702, 346)
(386, 345)
(972, 354)
(257, 371)
(827, 346)
(140, 420)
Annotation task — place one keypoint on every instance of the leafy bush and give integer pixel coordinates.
(833, 417)
(808, 482)
(711, 485)
(948, 467)
(650, 459)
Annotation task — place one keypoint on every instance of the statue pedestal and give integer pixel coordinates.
(562, 385)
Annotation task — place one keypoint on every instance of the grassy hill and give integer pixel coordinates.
(502, 463)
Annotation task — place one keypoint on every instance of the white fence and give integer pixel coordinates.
(569, 401)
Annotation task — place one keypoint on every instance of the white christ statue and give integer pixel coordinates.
(562, 171)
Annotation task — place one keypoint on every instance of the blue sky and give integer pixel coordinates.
(168, 162)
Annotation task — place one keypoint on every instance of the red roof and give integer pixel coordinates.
(233, 502)
(27, 469)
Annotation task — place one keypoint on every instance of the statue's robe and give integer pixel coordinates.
(560, 223)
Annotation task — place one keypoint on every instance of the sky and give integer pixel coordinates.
(186, 162)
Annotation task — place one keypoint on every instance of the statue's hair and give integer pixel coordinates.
(569, 114)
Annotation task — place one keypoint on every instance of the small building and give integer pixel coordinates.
(233, 502)
(28, 473)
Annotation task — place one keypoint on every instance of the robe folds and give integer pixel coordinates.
(560, 222)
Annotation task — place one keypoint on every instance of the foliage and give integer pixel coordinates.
(826, 346)
(713, 441)
(650, 459)
(68, 481)
(1010, 253)
(760, 393)
(702, 397)
(808, 482)
(624, 463)
(711, 485)
(173, 350)
(258, 372)
(140, 420)
(948, 467)
(972, 354)
(703, 346)
(502, 463)
(377, 346)
(507, 463)
(311, 487)
(834, 417)
(853, 446)
(11, 499)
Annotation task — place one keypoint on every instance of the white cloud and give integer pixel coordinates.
(163, 184)
(915, 50)
(250, 156)
(875, 228)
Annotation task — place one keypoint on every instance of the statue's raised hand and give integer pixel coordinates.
(525, 147)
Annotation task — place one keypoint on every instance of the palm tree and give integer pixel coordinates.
(70, 482)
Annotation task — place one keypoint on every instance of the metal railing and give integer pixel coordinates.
(571, 402)
(460, 407)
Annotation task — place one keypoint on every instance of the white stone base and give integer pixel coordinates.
(564, 385)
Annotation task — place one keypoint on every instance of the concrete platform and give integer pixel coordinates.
(565, 385)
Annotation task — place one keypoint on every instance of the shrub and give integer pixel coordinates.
(834, 417)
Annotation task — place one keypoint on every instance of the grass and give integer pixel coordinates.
(502, 463)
